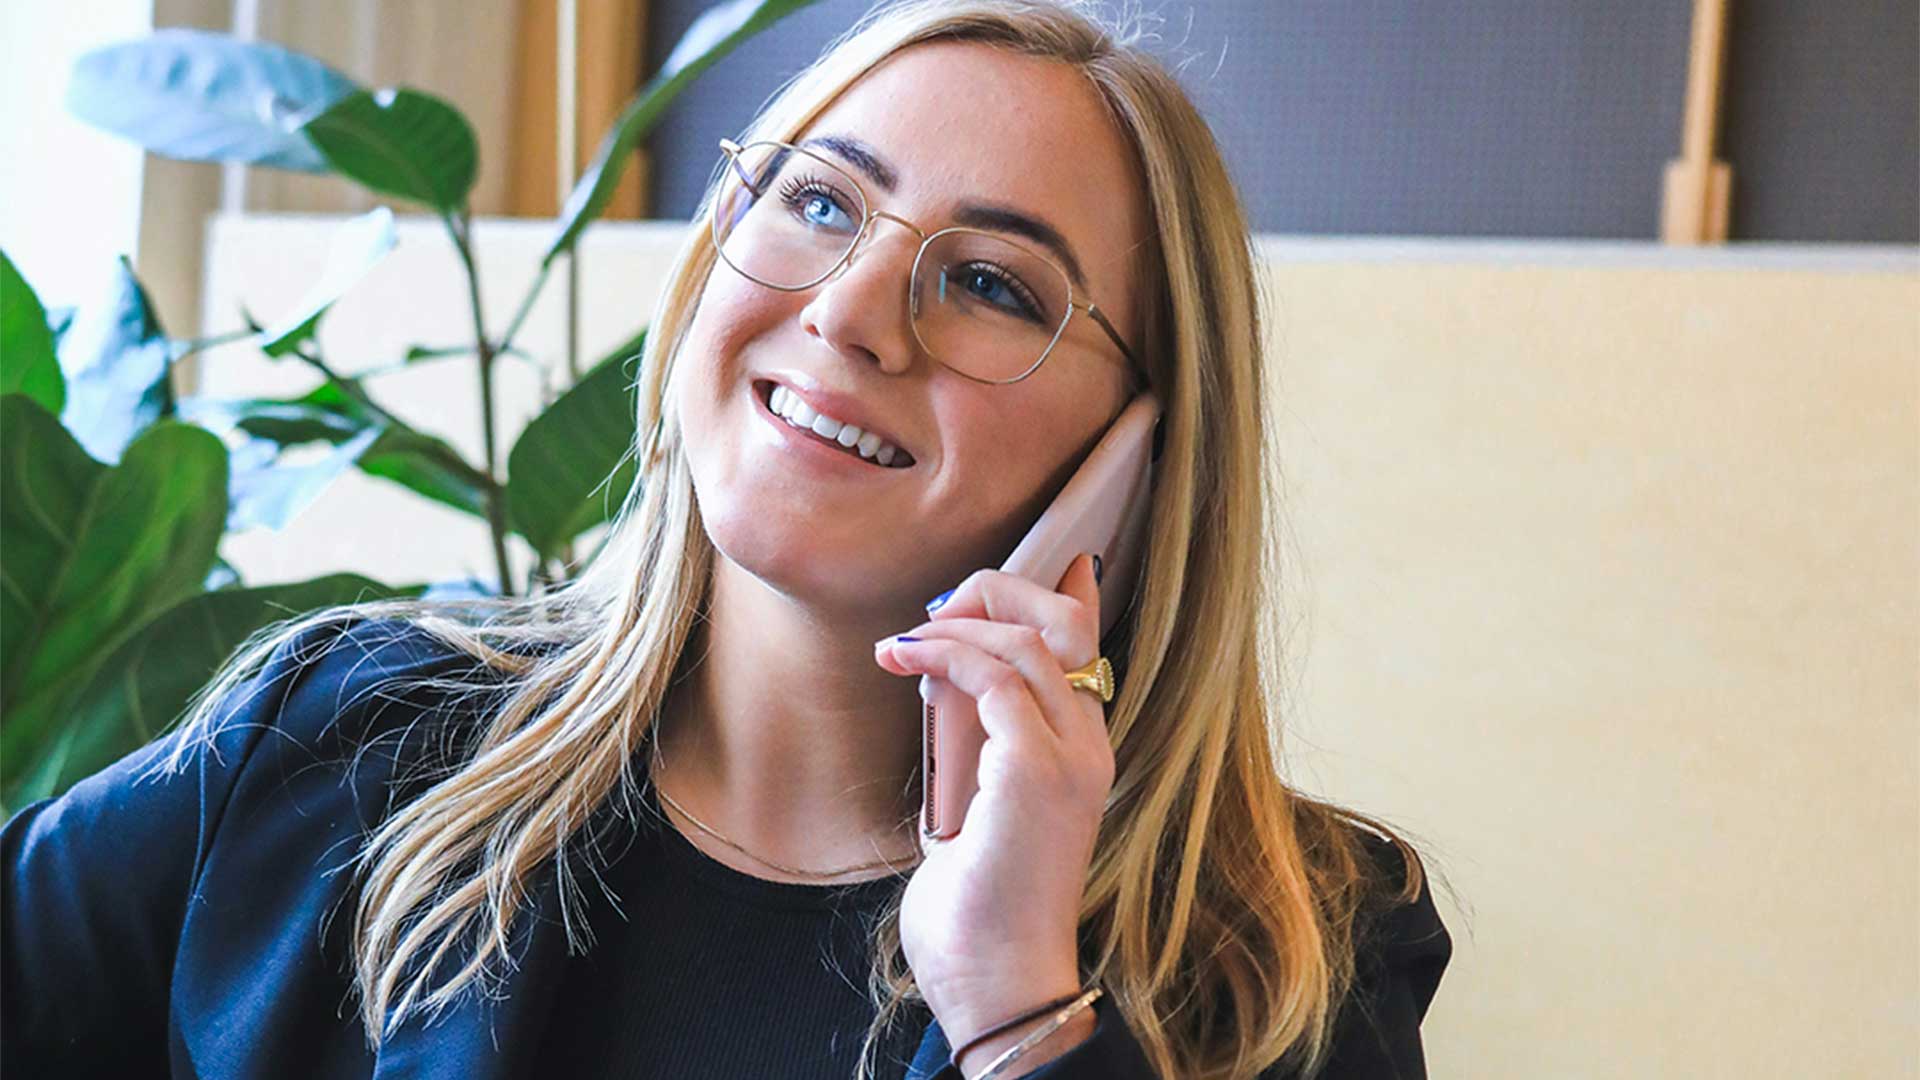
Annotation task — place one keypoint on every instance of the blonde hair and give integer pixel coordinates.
(1221, 905)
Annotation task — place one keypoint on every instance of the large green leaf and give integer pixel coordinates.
(269, 492)
(146, 683)
(713, 35)
(201, 96)
(428, 467)
(115, 358)
(425, 463)
(357, 247)
(571, 467)
(92, 554)
(400, 142)
(27, 362)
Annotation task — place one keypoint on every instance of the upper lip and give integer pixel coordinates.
(842, 407)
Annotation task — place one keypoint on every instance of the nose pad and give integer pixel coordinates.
(865, 242)
(860, 244)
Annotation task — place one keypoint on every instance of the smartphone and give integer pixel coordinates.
(1102, 509)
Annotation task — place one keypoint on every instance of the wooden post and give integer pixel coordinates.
(1698, 186)
(610, 36)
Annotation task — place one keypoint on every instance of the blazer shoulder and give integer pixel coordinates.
(352, 685)
(371, 692)
(201, 862)
(1407, 938)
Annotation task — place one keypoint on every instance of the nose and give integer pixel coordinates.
(861, 309)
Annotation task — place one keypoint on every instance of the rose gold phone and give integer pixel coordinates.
(1102, 509)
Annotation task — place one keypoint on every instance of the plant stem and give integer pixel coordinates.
(457, 227)
(184, 349)
(526, 305)
(347, 386)
(573, 316)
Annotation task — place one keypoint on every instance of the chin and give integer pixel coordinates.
(837, 568)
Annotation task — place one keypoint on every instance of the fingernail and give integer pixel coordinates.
(934, 604)
(1096, 569)
(904, 637)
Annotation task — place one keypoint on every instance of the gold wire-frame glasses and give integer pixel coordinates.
(730, 160)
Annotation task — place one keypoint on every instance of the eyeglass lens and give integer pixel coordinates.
(983, 305)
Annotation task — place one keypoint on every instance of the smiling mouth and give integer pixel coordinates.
(764, 391)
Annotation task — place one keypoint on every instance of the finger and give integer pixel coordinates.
(1008, 709)
(1069, 619)
(1071, 713)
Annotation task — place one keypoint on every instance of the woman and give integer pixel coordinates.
(761, 606)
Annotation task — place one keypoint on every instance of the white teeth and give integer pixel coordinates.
(787, 404)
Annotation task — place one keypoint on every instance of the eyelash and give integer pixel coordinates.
(1018, 287)
(794, 188)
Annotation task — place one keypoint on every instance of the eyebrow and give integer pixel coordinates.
(997, 216)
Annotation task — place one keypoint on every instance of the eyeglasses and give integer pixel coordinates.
(987, 307)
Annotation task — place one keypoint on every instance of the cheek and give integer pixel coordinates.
(715, 354)
(728, 318)
(1003, 461)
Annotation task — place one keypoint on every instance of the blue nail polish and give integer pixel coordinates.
(1096, 568)
(934, 604)
(904, 637)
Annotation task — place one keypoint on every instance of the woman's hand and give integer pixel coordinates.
(989, 921)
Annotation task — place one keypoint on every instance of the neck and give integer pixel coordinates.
(783, 734)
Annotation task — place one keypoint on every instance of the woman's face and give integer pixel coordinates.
(953, 124)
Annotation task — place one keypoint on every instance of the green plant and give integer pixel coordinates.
(115, 604)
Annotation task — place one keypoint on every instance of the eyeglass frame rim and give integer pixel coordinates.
(872, 214)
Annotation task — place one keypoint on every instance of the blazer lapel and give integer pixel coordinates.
(478, 1038)
(932, 1056)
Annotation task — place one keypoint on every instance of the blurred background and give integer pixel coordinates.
(1595, 368)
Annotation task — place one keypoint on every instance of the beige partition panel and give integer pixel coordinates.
(1606, 589)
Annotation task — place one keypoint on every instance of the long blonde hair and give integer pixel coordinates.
(1220, 908)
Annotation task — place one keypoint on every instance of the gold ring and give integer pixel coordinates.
(1096, 676)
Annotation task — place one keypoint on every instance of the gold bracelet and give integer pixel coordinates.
(1039, 1035)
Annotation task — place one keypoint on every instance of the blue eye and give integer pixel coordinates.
(814, 203)
(990, 283)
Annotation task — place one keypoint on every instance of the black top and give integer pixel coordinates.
(699, 969)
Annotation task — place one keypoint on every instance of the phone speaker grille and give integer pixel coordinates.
(932, 823)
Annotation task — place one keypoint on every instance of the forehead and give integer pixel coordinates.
(958, 123)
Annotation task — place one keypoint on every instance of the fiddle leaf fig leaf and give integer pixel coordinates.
(357, 247)
(93, 552)
(572, 465)
(195, 95)
(27, 361)
(115, 360)
(401, 142)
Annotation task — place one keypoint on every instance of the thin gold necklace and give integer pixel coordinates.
(654, 742)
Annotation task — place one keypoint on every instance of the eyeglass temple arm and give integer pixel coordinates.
(1139, 370)
(732, 150)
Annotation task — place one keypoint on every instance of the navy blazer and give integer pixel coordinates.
(196, 924)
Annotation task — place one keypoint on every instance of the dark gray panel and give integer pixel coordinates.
(1508, 118)
(1823, 120)
(1469, 118)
